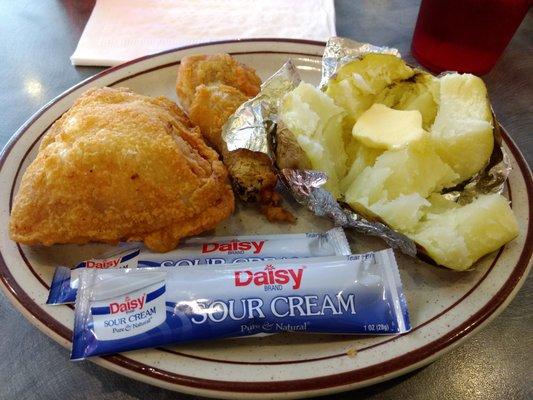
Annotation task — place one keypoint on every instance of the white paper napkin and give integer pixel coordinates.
(121, 30)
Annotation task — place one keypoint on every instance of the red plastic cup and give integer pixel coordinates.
(465, 35)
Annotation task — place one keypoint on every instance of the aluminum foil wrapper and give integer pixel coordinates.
(253, 127)
(340, 51)
(306, 188)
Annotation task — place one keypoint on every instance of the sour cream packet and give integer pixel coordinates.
(119, 310)
(204, 250)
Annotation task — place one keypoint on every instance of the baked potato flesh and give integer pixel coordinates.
(391, 139)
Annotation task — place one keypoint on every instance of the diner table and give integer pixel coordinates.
(36, 40)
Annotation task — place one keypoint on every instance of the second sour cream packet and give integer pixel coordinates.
(204, 250)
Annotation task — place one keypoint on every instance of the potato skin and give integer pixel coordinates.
(289, 154)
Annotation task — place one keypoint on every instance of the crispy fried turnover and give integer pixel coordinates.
(121, 166)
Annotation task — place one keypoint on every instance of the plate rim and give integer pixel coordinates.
(332, 382)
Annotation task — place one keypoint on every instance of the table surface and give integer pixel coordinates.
(37, 39)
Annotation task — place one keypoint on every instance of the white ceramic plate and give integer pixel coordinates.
(445, 306)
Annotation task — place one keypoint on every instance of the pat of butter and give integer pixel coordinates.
(381, 127)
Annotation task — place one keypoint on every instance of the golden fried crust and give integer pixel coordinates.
(271, 207)
(211, 107)
(121, 166)
(217, 68)
(251, 173)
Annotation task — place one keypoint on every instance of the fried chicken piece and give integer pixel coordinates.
(211, 107)
(222, 85)
(121, 166)
(217, 68)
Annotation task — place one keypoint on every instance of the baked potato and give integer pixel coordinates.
(391, 140)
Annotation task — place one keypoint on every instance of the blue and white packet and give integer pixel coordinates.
(203, 250)
(120, 310)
